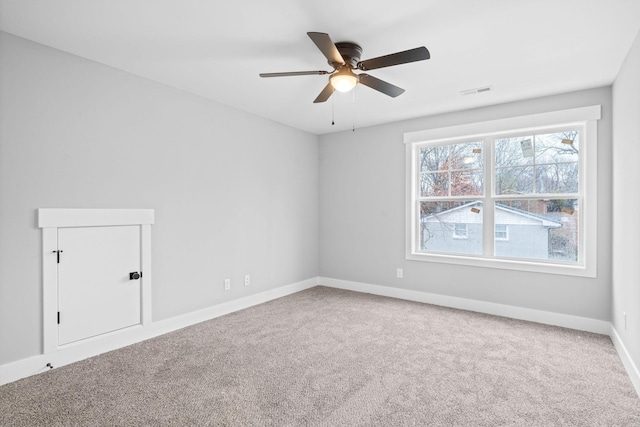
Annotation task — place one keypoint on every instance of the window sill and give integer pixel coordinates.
(507, 264)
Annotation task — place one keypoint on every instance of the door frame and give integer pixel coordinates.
(49, 220)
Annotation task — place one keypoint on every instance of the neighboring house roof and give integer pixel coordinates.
(504, 215)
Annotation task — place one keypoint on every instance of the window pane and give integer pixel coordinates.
(433, 158)
(557, 178)
(466, 183)
(514, 151)
(466, 156)
(560, 147)
(434, 184)
(451, 170)
(538, 229)
(442, 224)
(516, 180)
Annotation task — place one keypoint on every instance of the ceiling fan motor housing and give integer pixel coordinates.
(351, 54)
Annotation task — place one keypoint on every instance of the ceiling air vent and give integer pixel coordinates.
(476, 90)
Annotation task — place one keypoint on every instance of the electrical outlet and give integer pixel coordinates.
(247, 280)
(227, 284)
(399, 273)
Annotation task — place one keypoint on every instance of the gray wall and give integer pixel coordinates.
(626, 204)
(234, 194)
(362, 217)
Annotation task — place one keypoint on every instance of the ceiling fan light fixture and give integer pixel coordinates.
(343, 80)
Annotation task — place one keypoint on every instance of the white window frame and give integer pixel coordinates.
(585, 117)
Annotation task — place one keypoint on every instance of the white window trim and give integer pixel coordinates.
(586, 116)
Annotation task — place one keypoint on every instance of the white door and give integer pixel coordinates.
(96, 294)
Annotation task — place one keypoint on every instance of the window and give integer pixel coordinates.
(460, 231)
(502, 232)
(513, 193)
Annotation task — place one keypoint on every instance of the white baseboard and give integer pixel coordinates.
(521, 313)
(92, 347)
(73, 353)
(632, 369)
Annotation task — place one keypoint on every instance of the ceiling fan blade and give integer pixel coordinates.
(412, 55)
(294, 73)
(380, 85)
(327, 47)
(325, 94)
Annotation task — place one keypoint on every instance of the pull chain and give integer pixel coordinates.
(353, 113)
(333, 110)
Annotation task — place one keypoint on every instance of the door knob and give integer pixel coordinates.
(135, 275)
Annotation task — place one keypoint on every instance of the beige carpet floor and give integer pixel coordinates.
(327, 357)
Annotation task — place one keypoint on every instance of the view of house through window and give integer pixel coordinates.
(530, 181)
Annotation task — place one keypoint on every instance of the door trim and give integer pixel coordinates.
(48, 217)
(49, 220)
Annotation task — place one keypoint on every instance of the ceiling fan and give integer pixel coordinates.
(344, 57)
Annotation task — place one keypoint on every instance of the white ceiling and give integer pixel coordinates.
(216, 49)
